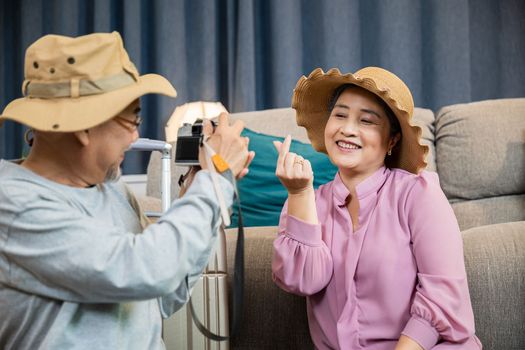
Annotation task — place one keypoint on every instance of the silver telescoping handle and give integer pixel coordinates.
(165, 186)
(143, 144)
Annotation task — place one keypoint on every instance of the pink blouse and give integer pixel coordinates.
(400, 272)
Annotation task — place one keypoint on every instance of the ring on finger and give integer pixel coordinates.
(298, 161)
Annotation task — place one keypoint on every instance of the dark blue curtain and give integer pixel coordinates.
(248, 54)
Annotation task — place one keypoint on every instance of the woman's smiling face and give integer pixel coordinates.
(357, 134)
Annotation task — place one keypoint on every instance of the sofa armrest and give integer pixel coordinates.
(495, 264)
(272, 318)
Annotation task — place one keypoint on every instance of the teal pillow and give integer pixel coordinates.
(262, 194)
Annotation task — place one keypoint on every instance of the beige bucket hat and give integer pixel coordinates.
(74, 84)
(311, 99)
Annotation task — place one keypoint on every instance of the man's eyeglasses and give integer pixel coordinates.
(131, 125)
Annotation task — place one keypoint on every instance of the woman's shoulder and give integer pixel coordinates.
(426, 183)
(425, 177)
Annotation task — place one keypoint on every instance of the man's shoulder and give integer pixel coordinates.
(117, 188)
(17, 193)
(14, 181)
(20, 187)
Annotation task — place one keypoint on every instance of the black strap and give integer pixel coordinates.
(238, 280)
(183, 177)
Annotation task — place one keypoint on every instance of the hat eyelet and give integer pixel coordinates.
(71, 60)
(56, 126)
(52, 70)
(35, 64)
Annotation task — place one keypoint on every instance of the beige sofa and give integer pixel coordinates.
(478, 150)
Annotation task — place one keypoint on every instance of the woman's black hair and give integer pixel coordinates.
(392, 119)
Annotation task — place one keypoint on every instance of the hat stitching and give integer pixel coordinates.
(86, 87)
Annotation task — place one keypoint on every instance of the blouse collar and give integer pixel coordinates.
(371, 184)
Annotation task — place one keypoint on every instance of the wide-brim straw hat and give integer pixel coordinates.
(311, 99)
(73, 84)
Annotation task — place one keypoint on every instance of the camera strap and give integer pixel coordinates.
(216, 164)
(213, 160)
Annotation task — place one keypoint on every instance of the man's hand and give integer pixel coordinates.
(227, 141)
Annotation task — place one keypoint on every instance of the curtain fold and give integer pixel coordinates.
(249, 54)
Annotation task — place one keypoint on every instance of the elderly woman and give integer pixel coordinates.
(377, 251)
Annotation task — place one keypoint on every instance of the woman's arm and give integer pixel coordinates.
(441, 309)
(295, 173)
(302, 263)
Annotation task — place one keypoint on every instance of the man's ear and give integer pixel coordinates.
(82, 137)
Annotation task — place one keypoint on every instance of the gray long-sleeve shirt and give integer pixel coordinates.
(77, 273)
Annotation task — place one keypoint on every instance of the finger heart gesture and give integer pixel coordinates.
(294, 172)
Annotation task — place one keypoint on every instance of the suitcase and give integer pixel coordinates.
(210, 302)
(210, 293)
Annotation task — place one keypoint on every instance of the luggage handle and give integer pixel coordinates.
(145, 144)
(238, 287)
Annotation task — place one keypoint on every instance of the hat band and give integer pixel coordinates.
(76, 88)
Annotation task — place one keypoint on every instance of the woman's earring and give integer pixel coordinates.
(390, 152)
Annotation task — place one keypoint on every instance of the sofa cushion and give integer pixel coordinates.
(262, 194)
(486, 211)
(277, 122)
(480, 149)
(495, 264)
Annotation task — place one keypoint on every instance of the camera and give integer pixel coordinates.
(189, 138)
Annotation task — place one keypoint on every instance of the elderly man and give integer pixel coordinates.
(77, 268)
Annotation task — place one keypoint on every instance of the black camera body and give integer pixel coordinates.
(189, 139)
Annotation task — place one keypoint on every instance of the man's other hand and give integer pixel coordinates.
(227, 141)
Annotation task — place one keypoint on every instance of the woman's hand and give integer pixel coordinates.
(406, 343)
(294, 172)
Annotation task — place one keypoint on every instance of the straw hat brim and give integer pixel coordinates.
(68, 114)
(311, 101)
